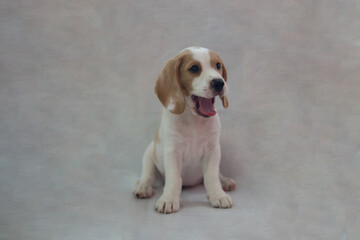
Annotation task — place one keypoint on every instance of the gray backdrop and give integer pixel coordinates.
(77, 110)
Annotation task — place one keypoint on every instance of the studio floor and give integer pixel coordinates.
(77, 110)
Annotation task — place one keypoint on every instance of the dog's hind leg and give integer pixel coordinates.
(227, 184)
(143, 187)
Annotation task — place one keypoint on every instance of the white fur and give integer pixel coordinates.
(189, 150)
(171, 105)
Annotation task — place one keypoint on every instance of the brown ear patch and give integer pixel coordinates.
(168, 88)
(225, 101)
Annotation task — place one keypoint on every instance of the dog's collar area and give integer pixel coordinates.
(204, 106)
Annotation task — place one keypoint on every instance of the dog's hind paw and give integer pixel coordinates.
(227, 184)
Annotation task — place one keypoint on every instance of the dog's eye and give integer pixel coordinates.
(194, 69)
(218, 66)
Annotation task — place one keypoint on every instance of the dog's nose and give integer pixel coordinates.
(217, 84)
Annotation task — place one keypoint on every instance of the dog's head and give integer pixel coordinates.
(193, 78)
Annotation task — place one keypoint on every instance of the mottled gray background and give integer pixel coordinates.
(77, 110)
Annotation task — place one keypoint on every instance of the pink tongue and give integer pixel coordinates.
(206, 107)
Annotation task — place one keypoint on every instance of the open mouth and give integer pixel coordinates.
(204, 106)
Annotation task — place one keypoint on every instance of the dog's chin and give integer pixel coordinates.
(203, 107)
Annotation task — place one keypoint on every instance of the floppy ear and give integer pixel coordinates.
(168, 89)
(224, 99)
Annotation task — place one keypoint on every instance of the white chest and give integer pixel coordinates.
(193, 140)
(192, 162)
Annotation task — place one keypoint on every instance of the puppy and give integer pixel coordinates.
(186, 149)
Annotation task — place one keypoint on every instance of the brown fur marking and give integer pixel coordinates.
(187, 77)
(175, 81)
(156, 141)
(214, 59)
(167, 86)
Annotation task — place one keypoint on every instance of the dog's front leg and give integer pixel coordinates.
(216, 195)
(169, 202)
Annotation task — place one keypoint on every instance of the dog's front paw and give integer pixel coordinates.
(143, 190)
(220, 200)
(167, 204)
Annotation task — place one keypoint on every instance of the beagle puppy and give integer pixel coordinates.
(186, 149)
